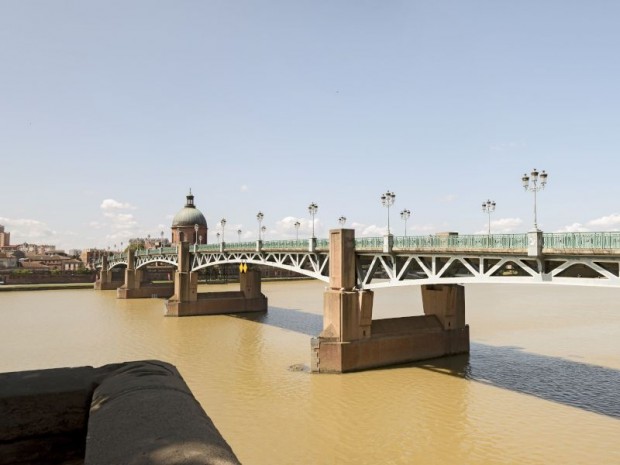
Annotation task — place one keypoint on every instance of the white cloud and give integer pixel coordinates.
(244, 188)
(575, 227)
(608, 221)
(111, 204)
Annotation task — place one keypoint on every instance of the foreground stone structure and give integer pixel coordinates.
(352, 341)
(136, 412)
(186, 300)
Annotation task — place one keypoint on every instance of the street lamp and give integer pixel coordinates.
(196, 234)
(531, 184)
(239, 234)
(259, 217)
(297, 225)
(223, 223)
(162, 239)
(404, 215)
(218, 237)
(387, 200)
(263, 230)
(342, 220)
(312, 209)
(489, 207)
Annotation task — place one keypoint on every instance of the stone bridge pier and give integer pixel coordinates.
(351, 340)
(105, 281)
(187, 301)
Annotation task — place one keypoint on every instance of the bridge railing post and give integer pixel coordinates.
(535, 243)
(388, 243)
(312, 244)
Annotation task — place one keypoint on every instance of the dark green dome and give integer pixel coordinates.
(189, 215)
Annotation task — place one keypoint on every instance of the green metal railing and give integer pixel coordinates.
(472, 241)
(369, 243)
(582, 240)
(554, 241)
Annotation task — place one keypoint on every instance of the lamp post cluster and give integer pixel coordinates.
(312, 209)
(530, 183)
(387, 200)
(489, 207)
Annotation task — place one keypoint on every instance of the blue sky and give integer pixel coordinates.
(111, 110)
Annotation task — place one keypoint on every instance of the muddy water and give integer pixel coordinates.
(541, 385)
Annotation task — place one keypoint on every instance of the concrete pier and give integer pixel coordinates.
(351, 340)
(186, 300)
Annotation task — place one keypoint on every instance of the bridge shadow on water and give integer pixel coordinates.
(588, 387)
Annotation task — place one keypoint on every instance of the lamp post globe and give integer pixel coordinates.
(342, 220)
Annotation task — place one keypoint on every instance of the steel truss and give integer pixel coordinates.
(377, 269)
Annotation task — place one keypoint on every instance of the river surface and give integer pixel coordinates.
(541, 385)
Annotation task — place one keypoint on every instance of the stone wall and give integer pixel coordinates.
(135, 412)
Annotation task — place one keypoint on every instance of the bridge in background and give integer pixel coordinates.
(352, 268)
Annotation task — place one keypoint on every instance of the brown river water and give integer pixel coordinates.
(540, 386)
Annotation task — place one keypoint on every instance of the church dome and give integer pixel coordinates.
(189, 215)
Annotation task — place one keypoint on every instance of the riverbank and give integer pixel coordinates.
(44, 287)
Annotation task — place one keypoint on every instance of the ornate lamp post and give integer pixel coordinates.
(297, 225)
(263, 229)
(223, 224)
(195, 234)
(162, 239)
(489, 207)
(342, 220)
(218, 237)
(239, 234)
(405, 215)
(387, 200)
(312, 209)
(530, 183)
(259, 217)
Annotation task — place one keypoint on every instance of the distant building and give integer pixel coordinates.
(51, 262)
(189, 224)
(5, 237)
(88, 256)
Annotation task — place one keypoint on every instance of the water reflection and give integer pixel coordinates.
(589, 387)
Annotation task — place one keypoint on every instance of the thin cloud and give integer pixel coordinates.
(575, 227)
(608, 221)
(502, 226)
(244, 188)
(27, 229)
(111, 204)
(448, 198)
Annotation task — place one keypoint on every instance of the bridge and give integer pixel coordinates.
(354, 267)
(591, 259)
